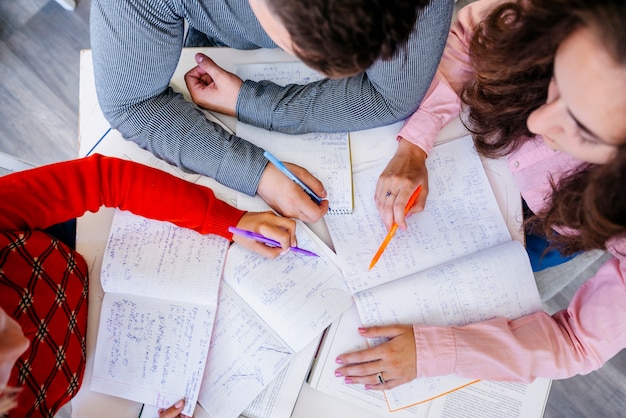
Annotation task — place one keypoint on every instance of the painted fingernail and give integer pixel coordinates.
(338, 373)
(339, 360)
(347, 380)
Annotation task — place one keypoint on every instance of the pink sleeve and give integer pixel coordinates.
(441, 103)
(576, 340)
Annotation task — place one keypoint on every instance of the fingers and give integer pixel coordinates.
(173, 411)
(271, 226)
(289, 199)
(403, 174)
(394, 359)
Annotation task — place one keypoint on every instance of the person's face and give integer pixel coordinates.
(584, 113)
(270, 23)
(12, 345)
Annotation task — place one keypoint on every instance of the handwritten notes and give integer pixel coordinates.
(461, 217)
(325, 155)
(456, 263)
(161, 284)
(268, 311)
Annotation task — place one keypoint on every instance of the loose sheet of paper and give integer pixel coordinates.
(325, 155)
(268, 310)
(461, 216)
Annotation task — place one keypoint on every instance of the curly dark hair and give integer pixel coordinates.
(345, 37)
(513, 54)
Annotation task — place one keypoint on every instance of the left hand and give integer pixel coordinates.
(395, 359)
(212, 87)
(404, 172)
(174, 411)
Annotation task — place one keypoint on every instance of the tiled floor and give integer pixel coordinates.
(39, 64)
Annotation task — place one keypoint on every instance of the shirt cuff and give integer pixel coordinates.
(435, 350)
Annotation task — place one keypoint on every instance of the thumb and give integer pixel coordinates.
(207, 64)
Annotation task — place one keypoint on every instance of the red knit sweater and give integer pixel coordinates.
(43, 283)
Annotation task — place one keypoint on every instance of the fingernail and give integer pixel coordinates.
(199, 58)
(284, 251)
(362, 330)
(178, 404)
(338, 373)
(347, 381)
(161, 411)
(367, 387)
(339, 360)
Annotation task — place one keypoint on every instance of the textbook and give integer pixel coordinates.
(455, 264)
(325, 155)
(269, 312)
(161, 288)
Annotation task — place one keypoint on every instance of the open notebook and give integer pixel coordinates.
(325, 155)
(455, 264)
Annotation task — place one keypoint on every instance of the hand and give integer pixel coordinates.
(395, 359)
(270, 225)
(398, 181)
(287, 198)
(213, 88)
(174, 411)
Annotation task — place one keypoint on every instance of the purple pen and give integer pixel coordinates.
(268, 241)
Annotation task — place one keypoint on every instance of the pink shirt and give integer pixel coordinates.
(576, 340)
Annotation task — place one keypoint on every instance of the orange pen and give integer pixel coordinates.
(394, 227)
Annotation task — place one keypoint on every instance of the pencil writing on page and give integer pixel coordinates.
(394, 227)
(279, 164)
(267, 241)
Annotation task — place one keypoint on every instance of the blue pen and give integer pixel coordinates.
(292, 176)
(267, 241)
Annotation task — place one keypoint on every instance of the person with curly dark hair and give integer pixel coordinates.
(380, 56)
(543, 82)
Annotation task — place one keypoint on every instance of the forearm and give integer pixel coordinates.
(574, 341)
(39, 198)
(389, 91)
(143, 107)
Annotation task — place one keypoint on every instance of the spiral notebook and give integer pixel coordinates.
(325, 155)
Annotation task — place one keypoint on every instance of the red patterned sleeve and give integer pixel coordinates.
(44, 196)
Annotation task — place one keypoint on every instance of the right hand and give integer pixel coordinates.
(287, 198)
(404, 172)
(174, 411)
(270, 225)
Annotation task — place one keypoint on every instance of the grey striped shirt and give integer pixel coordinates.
(136, 47)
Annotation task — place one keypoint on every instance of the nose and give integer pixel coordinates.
(548, 119)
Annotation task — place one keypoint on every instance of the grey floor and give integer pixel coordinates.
(39, 65)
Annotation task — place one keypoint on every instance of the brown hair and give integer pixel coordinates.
(513, 54)
(345, 37)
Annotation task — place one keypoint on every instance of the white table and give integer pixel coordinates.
(93, 229)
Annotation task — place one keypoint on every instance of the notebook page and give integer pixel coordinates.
(297, 296)
(151, 351)
(496, 282)
(324, 155)
(461, 216)
(161, 260)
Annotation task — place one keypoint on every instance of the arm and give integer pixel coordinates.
(407, 169)
(44, 196)
(574, 341)
(387, 92)
(136, 47)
